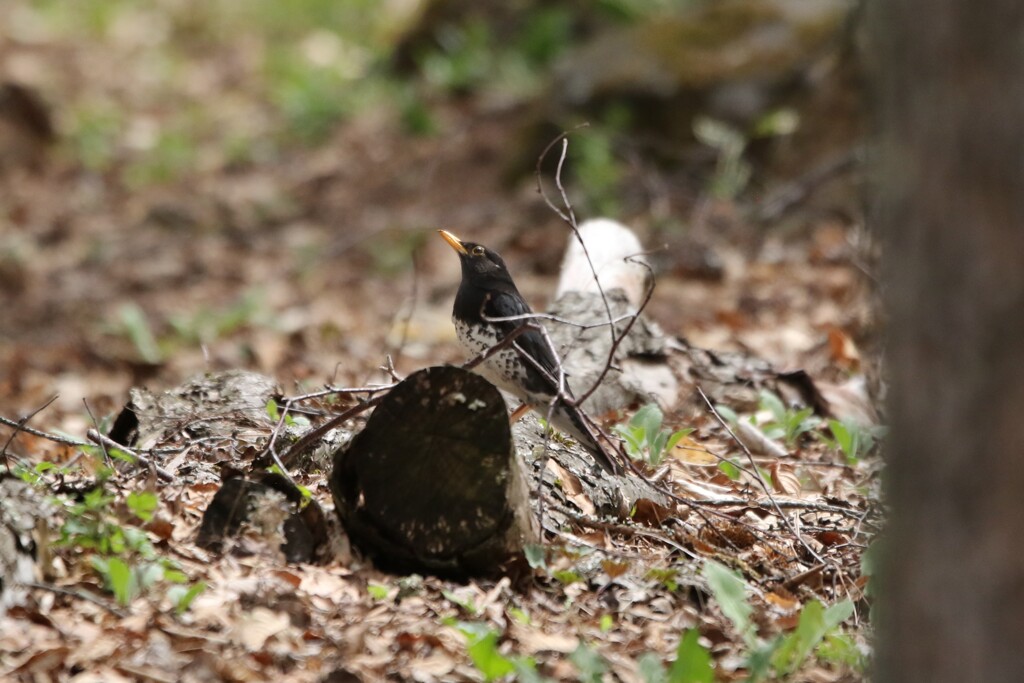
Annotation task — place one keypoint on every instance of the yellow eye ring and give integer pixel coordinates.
(478, 250)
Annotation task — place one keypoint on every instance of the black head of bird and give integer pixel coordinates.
(479, 264)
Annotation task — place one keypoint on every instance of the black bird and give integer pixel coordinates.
(527, 368)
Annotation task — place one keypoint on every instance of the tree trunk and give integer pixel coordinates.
(950, 104)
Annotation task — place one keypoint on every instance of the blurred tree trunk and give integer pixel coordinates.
(950, 108)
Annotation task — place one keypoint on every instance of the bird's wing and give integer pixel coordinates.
(530, 342)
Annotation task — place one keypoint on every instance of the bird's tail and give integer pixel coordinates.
(570, 420)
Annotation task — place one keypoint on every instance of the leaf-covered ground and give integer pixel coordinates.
(236, 186)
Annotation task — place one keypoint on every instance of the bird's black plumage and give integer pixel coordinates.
(486, 299)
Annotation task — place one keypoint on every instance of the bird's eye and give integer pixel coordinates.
(478, 250)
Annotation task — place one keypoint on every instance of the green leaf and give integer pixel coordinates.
(135, 325)
(729, 470)
(272, 411)
(377, 591)
(842, 435)
(774, 405)
(607, 623)
(143, 504)
(590, 664)
(633, 437)
(567, 576)
(727, 414)
(693, 661)
(482, 647)
(759, 659)
(651, 669)
(118, 454)
(815, 622)
(730, 590)
(649, 419)
(182, 596)
(526, 670)
(521, 615)
(841, 649)
(668, 576)
(465, 603)
(677, 437)
(172, 575)
(535, 556)
(121, 580)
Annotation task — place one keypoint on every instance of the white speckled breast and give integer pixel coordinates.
(504, 369)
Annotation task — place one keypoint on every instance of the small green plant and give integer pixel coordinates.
(121, 554)
(692, 663)
(377, 591)
(730, 470)
(482, 648)
(645, 439)
(312, 95)
(464, 57)
(205, 325)
(732, 170)
(134, 324)
(784, 654)
(94, 135)
(36, 474)
(666, 576)
(172, 154)
(595, 164)
(852, 440)
(786, 423)
(590, 665)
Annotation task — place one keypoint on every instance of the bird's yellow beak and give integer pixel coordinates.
(454, 241)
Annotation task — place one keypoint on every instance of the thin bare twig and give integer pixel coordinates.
(80, 595)
(569, 215)
(96, 428)
(856, 515)
(19, 427)
(760, 480)
(373, 389)
(105, 442)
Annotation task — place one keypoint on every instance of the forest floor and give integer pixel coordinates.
(177, 228)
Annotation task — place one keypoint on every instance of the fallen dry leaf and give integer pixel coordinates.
(844, 351)
(572, 487)
(693, 453)
(784, 479)
(533, 640)
(252, 629)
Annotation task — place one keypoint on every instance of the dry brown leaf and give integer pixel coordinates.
(329, 584)
(784, 479)
(253, 629)
(533, 640)
(831, 538)
(850, 401)
(646, 511)
(692, 453)
(43, 661)
(614, 569)
(844, 351)
(785, 602)
(104, 675)
(292, 579)
(437, 664)
(572, 487)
